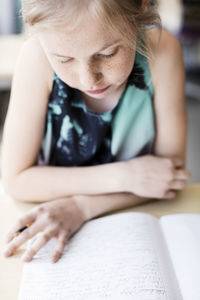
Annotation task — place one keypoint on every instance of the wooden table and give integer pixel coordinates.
(188, 201)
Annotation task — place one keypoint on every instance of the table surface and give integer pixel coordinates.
(187, 201)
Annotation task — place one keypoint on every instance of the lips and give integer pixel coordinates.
(100, 91)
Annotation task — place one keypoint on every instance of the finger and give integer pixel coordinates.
(170, 195)
(61, 241)
(21, 239)
(177, 162)
(178, 185)
(38, 244)
(21, 222)
(182, 174)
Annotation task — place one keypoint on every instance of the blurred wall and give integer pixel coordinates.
(10, 19)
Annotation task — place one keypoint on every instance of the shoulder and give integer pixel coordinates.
(32, 80)
(161, 40)
(166, 54)
(163, 44)
(32, 61)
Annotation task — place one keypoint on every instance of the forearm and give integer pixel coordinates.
(96, 205)
(44, 183)
(159, 176)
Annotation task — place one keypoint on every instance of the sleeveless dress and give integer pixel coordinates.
(76, 136)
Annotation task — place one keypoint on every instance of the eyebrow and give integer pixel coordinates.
(104, 48)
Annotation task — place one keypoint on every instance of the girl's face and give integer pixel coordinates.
(89, 58)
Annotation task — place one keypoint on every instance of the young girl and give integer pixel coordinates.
(96, 120)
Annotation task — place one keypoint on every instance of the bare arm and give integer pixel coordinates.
(169, 83)
(96, 205)
(48, 183)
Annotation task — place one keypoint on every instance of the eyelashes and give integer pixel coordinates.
(96, 57)
(107, 56)
(64, 61)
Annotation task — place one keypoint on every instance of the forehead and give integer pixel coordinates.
(87, 38)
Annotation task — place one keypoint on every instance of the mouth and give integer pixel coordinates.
(99, 91)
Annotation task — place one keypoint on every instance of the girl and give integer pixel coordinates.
(96, 120)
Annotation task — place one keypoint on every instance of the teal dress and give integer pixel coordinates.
(76, 136)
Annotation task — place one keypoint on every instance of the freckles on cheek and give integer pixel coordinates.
(119, 71)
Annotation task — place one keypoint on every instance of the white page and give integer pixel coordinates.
(113, 257)
(182, 233)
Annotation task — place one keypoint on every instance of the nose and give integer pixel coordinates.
(90, 76)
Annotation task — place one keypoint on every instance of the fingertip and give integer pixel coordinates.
(7, 253)
(178, 162)
(170, 195)
(55, 258)
(26, 258)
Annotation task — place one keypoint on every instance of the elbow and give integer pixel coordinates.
(8, 188)
(7, 185)
(13, 189)
(19, 187)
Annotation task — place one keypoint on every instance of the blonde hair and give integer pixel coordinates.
(127, 17)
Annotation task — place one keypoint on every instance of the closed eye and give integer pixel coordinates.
(64, 61)
(107, 56)
(98, 56)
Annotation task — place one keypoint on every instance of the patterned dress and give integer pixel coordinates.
(76, 136)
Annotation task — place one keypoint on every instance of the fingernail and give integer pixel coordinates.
(55, 258)
(26, 258)
(7, 253)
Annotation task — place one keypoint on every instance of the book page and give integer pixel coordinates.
(182, 233)
(113, 257)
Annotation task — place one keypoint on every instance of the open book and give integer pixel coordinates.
(122, 256)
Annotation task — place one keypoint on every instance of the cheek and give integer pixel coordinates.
(69, 77)
(65, 73)
(119, 69)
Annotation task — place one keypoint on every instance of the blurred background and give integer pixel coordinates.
(180, 17)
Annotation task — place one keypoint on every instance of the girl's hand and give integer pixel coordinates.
(154, 177)
(58, 218)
